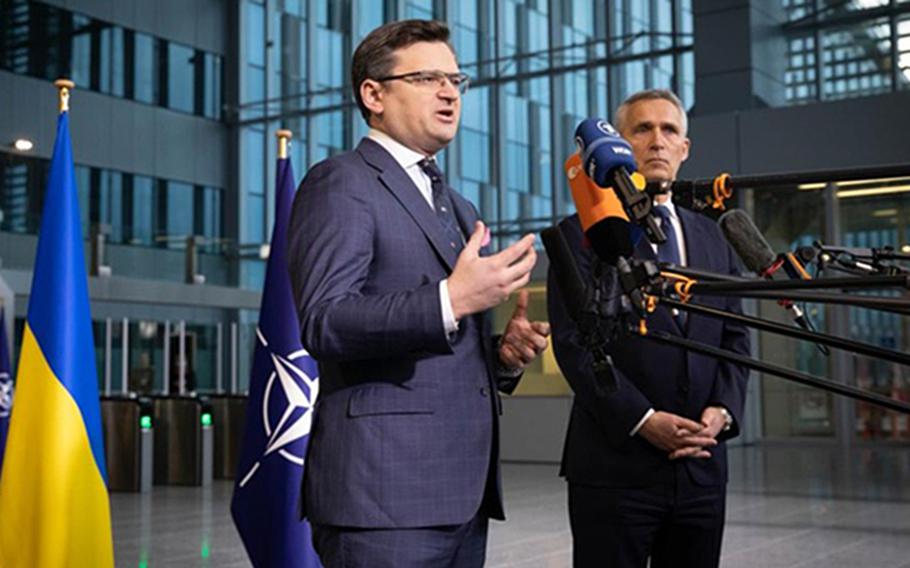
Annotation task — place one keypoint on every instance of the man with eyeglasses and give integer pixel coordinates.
(394, 284)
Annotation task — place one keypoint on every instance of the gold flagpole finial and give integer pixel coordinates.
(64, 85)
(284, 138)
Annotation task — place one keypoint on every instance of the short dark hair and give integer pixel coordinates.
(375, 56)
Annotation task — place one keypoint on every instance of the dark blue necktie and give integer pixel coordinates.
(669, 250)
(442, 202)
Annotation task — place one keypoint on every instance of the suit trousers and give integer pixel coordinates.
(450, 546)
(676, 524)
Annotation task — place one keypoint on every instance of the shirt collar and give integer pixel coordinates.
(670, 207)
(405, 157)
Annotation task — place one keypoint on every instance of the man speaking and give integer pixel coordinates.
(394, 283)
(646, 464)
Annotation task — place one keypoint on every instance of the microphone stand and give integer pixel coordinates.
(772, 289)
(791, 331)
(729, 285)
(637, 277)
(783, 372)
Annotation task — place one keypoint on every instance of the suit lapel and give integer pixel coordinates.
(400, 185)
(697, 253)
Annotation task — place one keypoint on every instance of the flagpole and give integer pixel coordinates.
(284, 139)
(64, 86)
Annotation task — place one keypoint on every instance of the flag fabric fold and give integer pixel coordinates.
(284, 384)
(6, 386)
(54, 504)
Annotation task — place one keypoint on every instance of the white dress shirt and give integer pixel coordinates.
(410, 160)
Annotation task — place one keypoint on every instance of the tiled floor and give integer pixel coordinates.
(786, 508)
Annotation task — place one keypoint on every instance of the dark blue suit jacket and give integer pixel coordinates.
(598, 448)
(405, 428)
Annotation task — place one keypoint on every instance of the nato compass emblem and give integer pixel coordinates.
(6, 395)
(606, 128)
(287, 405)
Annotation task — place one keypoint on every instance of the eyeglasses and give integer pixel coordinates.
(432, 79)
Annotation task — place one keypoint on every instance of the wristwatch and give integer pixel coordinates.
(728, 419)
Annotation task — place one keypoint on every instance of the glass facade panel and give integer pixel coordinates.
(903, 52)
(128, 209)
(789, 219)
(177, 206)
(180, 84)
(146, 358)
(142, 215)
(837, 49)
(111, 61)
(48, 42)
(876, 221)
(145, 69)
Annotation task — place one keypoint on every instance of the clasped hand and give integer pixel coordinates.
(681, 437)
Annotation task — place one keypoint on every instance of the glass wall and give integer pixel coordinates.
(790, 218)
(839, 49)
(866, 215)
(47, 42)
(877, 216)
(129, 209)
(526, 58)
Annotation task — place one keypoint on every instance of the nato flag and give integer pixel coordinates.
(284, 385)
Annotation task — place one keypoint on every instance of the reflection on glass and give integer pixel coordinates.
(180, 62)
(47, 42)
(146, 357)
(142, 213)
(877, 221)
(178, 215)
(81, 55)
(145, 69)
(201, 357)
(789, 218)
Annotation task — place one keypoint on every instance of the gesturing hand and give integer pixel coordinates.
(479, 283)
(523, 340)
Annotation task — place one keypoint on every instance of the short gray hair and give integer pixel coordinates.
(619, 117)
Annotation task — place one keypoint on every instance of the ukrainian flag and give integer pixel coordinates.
(54, 505)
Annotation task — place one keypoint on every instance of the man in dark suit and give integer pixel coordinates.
(646, 464)
(394, 284)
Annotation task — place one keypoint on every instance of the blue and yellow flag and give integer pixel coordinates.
(54, 505)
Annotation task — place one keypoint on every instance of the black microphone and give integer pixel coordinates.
(758, 256)
(575, 296)
(573, 291)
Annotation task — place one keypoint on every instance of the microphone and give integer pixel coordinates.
(608, 161)
(603, 219)
(860, 261)
(575, 296)
(758, 256)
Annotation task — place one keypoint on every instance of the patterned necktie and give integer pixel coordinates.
(669, 250)
(442, 202)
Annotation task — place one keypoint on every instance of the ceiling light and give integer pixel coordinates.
(23, 144)
(844, 193)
